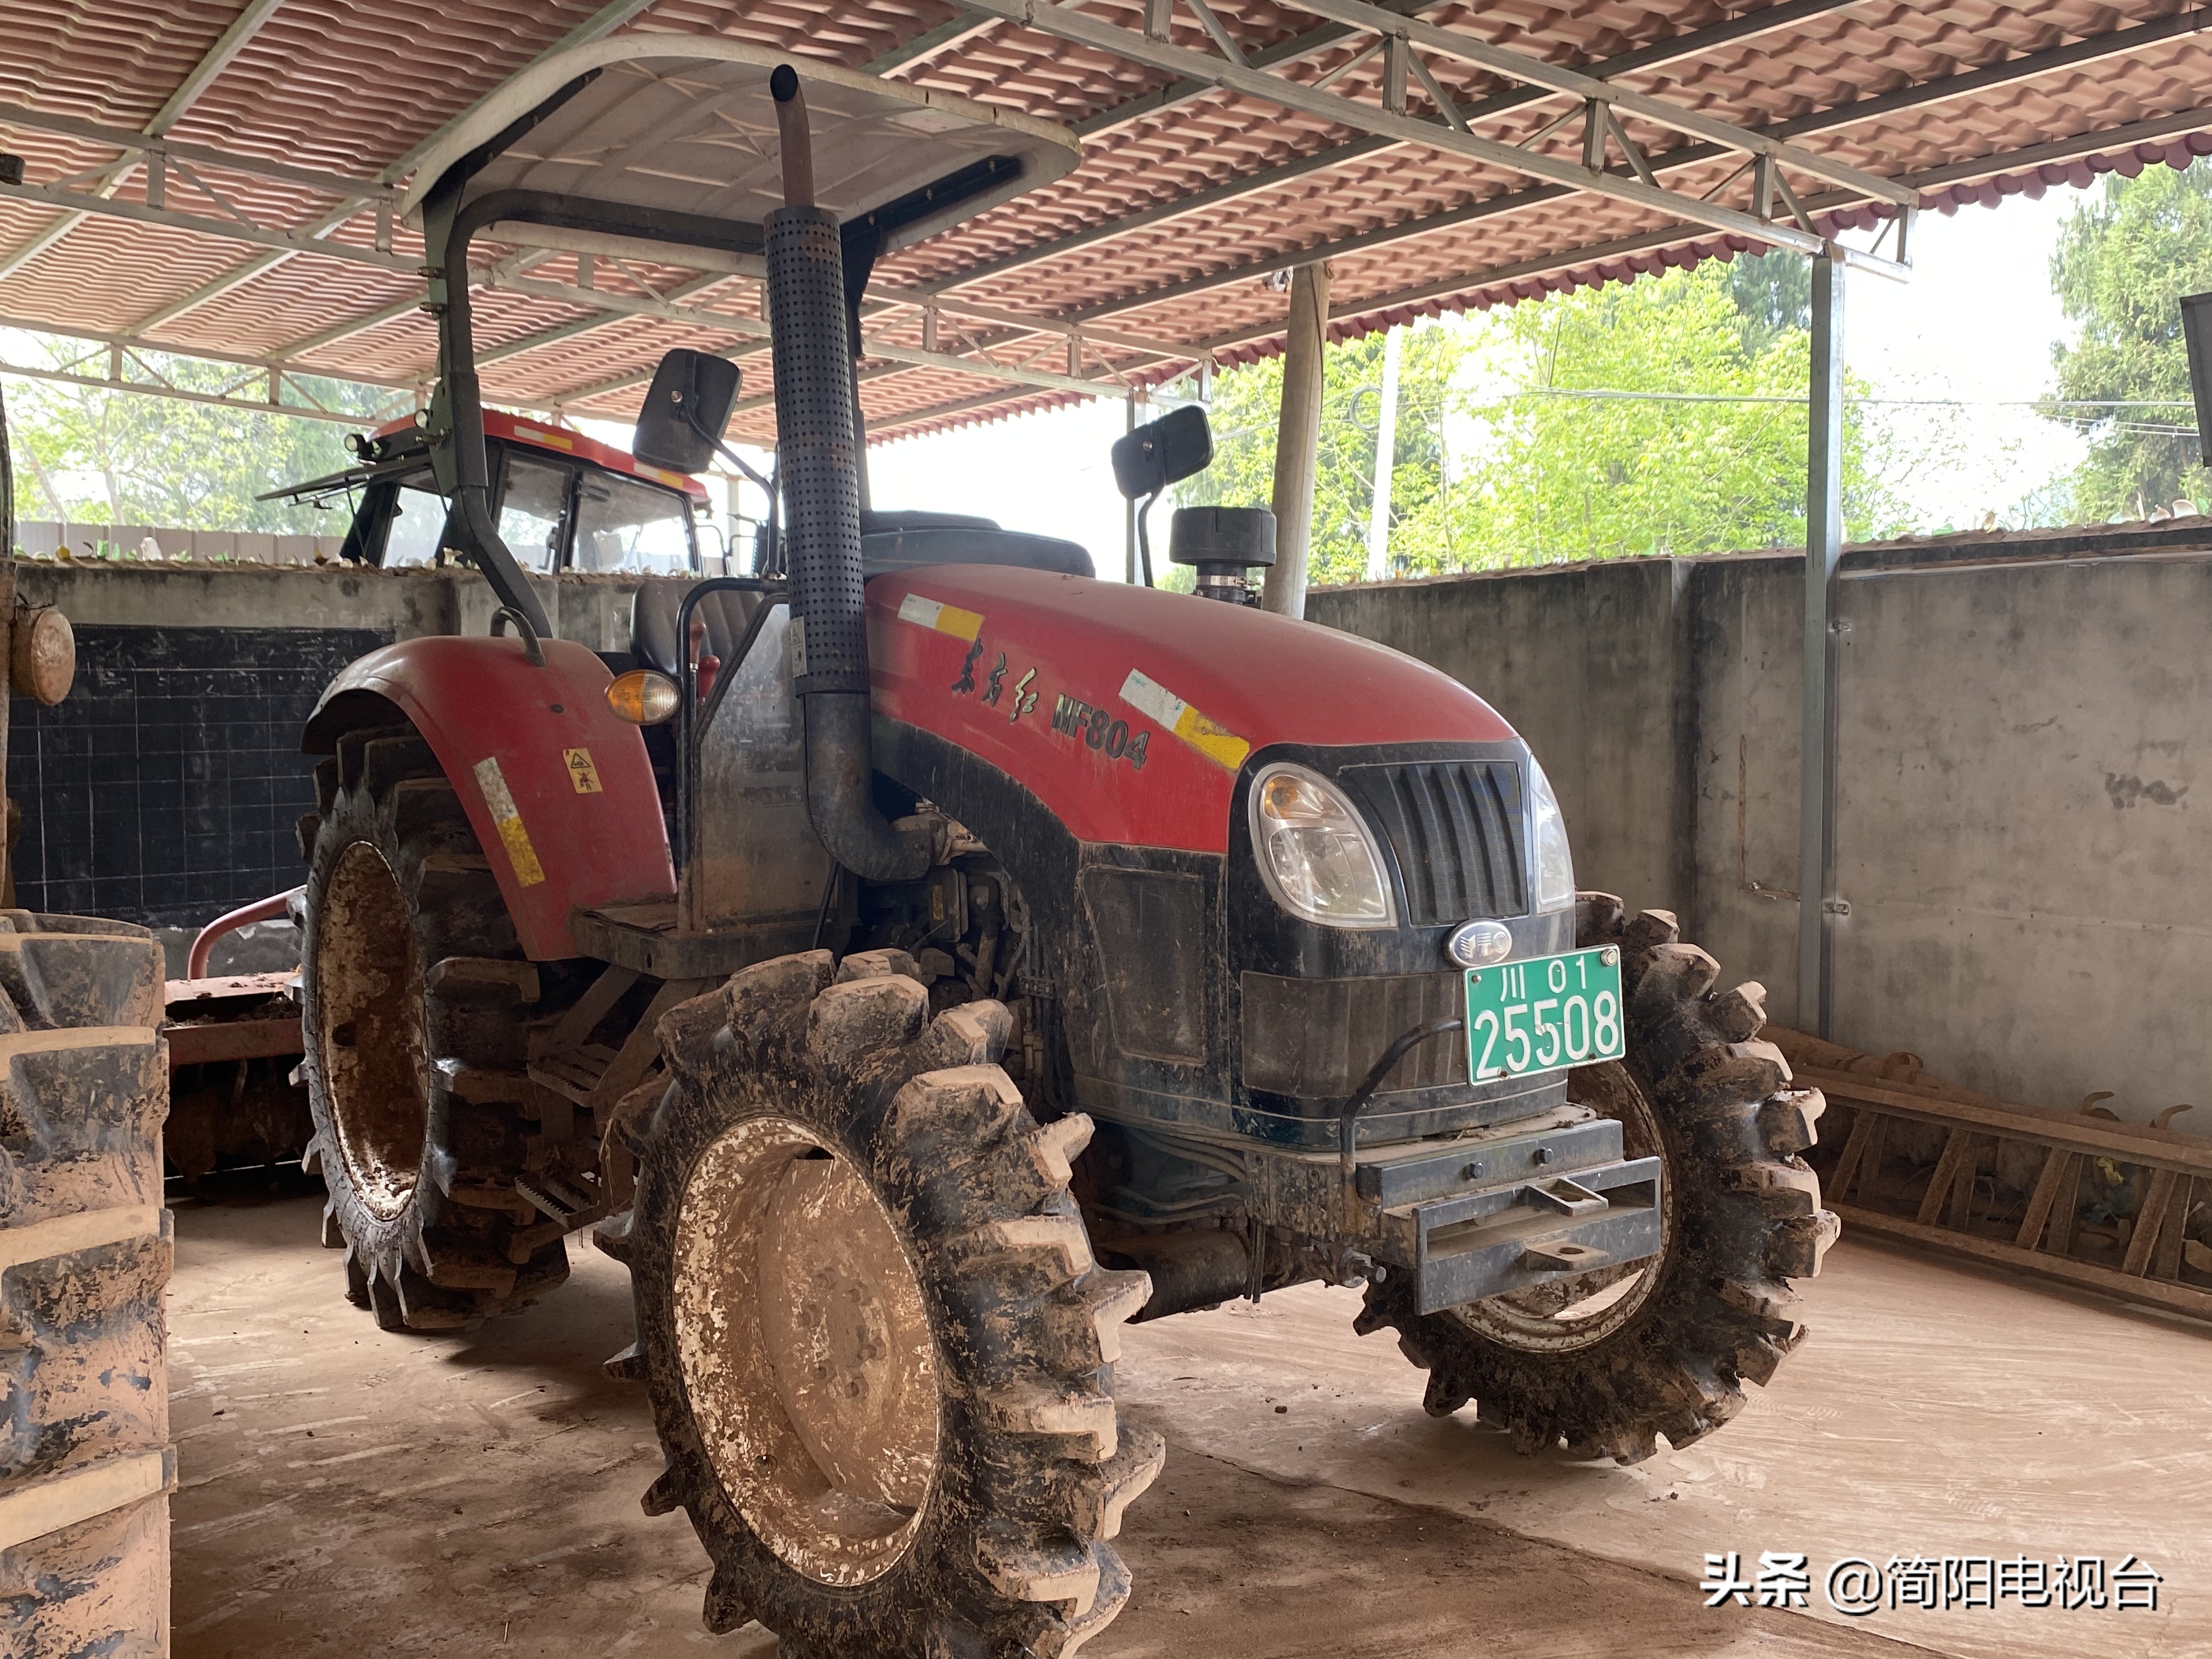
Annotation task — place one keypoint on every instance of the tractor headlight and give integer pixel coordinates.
(1315, 851)
(1555, 865)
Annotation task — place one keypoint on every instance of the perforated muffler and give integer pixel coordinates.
(819, 459)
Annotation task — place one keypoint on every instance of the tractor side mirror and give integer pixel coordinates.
(1159, 453)
(685, 409)
(2196, 334)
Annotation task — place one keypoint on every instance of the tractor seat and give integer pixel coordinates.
(979, 543)
(727, 613)
(891, 542)
(891, 524)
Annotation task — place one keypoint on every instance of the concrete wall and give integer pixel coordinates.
(166, 788)
(2022, 833)
(593, 610)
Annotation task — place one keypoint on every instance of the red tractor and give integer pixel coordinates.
(919, 958)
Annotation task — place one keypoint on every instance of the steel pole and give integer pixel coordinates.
(1386, 456)
(1129, 507)
(1297, 440)
(1824, 546)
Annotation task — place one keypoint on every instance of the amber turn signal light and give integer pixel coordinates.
(643, 697)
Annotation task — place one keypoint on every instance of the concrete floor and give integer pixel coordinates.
(344, 1490)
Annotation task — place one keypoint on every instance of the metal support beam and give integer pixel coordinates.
(1679, 49)
(231, 230)
(232, 41)
(155, 148)
(2075, 55)
(603, 21)
(754, 330)
(269, 405)
(347, 329)
(139, 344)
(1297, 441)
(956, 30)
(1085, 28)
(217, 57)
(1817, 904)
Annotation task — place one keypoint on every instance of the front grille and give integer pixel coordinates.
(1456, 829)
(1318, 1036)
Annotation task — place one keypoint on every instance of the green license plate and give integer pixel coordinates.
(1539, 1015)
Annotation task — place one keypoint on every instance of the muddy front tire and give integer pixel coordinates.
(878, 1349)
(1605, 1363)
(417, 1006)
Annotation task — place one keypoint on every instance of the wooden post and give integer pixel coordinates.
(1297, 440)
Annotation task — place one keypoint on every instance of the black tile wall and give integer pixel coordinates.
(164, 789)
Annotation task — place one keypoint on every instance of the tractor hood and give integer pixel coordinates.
(1129, 712)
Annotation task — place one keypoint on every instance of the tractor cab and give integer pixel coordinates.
(561, 501)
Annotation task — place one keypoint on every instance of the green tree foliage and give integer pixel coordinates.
(92, 456)
(1244, 414)
(1575, 427)
(2124, 260)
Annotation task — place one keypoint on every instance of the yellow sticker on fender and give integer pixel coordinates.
(581, 771)
(507, 819)
(945, 618)
(1217, 743)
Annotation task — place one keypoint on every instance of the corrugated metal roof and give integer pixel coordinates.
(1186, 199)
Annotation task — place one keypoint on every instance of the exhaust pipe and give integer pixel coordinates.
(819, 457)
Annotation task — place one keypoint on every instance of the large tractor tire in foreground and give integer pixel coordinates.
(85, 1462)
(1606, 1362)
(417, 1004)
(878, 1349)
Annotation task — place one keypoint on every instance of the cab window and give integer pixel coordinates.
(418, 524)
(624, 525)
(533, 503)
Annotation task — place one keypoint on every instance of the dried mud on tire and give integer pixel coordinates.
(1006, 1549)
(1742, 1218)
(85, 1252)
(418, 1007)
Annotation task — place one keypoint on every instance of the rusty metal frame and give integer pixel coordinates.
(1450, 132)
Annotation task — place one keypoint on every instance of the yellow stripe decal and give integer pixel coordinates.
(945, 618)
(507, 819)
(1217, 743)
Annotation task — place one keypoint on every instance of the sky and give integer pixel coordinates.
(1976, 323)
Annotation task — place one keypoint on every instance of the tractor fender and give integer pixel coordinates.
(558, 790)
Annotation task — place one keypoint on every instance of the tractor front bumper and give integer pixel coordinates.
(1525, 1208)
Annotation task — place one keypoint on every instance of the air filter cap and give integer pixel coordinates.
(1243, 535)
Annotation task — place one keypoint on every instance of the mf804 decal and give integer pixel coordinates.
(1100, 730)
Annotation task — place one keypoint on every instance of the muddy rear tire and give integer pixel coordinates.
(417, 1005)
(1605, 1364)
(85, 1463)
(878, 1348)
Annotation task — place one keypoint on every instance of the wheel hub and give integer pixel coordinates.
(370, 1034)
(805, 1349)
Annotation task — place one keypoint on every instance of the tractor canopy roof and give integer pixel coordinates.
(683, 128)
